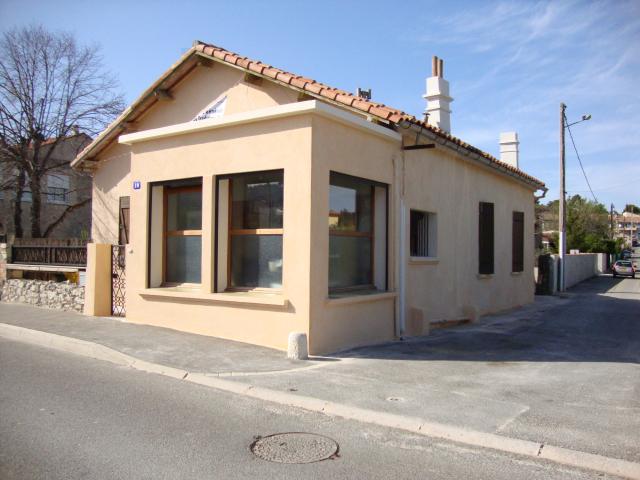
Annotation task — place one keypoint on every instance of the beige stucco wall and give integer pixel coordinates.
(448, 286)
(204, 85)
(111, 181)
(277, 144)
(336, 324)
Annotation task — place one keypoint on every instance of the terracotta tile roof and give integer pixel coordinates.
(303, 84)
(348, 99)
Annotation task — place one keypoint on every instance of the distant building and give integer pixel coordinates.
(626, 226)
(61, 188)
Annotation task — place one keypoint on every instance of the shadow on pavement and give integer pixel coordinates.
(591, 325)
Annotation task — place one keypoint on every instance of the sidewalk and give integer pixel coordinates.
(194, 353)
(562, 372)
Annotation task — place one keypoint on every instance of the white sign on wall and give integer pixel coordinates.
(213, 110)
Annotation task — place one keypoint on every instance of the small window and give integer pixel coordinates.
(183, 234)
(422, 234)
(517, 257)
(58, 189)
(256, 204)
(485, 239)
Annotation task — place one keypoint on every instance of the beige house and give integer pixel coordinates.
(264, 203)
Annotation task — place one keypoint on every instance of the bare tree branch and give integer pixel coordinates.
(50, 88)
(63, 215)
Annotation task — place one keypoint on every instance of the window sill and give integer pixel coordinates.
(359, 297)
(242, 298)
(423, 260)
(485, 276)
(516, 274)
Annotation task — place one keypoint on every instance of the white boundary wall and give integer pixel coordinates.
(580, 267)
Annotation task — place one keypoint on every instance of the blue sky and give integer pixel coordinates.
(510, 64)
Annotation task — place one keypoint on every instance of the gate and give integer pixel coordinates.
(118, 280)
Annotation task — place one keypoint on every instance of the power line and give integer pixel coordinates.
(601, 189)
(579, 160)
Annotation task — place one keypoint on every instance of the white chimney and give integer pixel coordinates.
(509, 148)
(437, 112)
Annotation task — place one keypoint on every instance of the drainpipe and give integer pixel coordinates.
(403, 267)
(400, 240)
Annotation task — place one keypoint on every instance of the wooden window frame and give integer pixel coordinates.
(370, 234)
(231, 232)
(166, 191)
(517, 242)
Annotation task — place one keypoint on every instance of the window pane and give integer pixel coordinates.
(184, 210)
(349, 261)
(419, 234)
(256, 261)
(349, 203)
(183, 259)
(257, 200)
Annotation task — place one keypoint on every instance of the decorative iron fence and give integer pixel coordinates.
(118, 281)
(49, 255)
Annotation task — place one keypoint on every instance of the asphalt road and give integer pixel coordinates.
(564, 372)
(68, 417)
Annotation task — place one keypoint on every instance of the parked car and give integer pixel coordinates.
(624, 267)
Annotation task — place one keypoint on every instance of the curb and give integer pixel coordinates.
(565, 456)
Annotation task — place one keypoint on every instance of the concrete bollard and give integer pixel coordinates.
(297, 348)
(470, 312)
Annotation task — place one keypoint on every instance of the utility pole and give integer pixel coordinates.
(561, 204)
(611, 222)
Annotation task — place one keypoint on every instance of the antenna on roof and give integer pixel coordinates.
(365, 94)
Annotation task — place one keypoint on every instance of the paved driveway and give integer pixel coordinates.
(564, 371)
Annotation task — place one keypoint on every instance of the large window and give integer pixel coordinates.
(182, 234)
(485, 239)
(255, 230)
(352, 227)
(517, 242)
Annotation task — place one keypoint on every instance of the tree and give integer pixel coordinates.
(631, 208)
(51, 88)
(587, 225)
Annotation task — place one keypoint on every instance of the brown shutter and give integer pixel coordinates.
(123, 221)
(485, 239)
(517, 239)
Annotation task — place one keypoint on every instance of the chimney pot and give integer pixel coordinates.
(437, 112)
(509, 149)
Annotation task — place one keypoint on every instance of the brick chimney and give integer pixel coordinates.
(509, 148)
(437, 112)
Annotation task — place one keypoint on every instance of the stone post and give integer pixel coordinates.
(97, 295)
(5, 254)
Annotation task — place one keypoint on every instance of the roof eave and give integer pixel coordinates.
(115, 127)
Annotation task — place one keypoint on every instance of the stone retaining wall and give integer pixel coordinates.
(57, 295)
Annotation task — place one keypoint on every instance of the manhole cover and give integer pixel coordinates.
(294, 447)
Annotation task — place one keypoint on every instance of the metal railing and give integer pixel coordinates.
(49, 255)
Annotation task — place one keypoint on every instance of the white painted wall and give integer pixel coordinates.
(582, 266)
